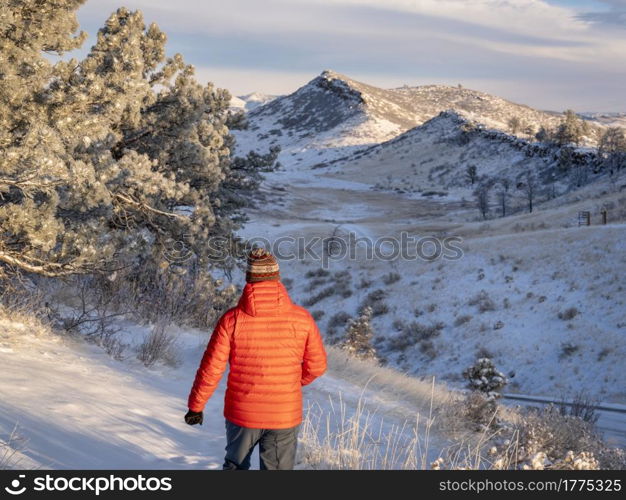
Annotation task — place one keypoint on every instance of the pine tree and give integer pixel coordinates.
(484, 377)
(530, 130)
(612, 149)
(358, 336)
(566, 158)
(571, 130)
(109, 157)
(544, 135)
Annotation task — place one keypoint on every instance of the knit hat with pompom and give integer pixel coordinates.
(262, 266)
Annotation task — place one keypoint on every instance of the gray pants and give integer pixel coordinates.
(277, 447)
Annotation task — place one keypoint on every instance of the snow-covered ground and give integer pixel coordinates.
(532, 269)
(513, 291)
(536, 270)
(73, 407)
(541, 296)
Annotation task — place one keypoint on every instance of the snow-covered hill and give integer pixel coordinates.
(256, 99)
(435, 156)
(334, 114)
(607, 119)
(535, 292)
(381, 163)
(251, 101)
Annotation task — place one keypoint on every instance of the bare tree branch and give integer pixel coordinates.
(143, 207)
(48, 269)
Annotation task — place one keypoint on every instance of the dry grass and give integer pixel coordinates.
(17, 320)
(10, 451)
(159, 346)
(390, 383)
(352, 435)
(336, 440)
(461, 320)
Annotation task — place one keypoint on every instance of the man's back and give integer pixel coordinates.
(274, 347)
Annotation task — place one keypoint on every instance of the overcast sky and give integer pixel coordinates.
(550, 54)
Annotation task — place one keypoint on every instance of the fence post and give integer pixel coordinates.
(584, 218)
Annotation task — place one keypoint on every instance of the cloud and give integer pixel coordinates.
(405, 41)
(615, 15)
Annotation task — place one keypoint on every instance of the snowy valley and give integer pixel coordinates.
(529, 267)
(535, 292)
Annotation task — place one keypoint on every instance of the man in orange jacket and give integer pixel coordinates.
(274, 348)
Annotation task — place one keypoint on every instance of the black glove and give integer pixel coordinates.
(194, 417)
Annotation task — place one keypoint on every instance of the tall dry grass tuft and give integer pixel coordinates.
(354, 436)
(10, 450)
(340, 440)
(427, 426)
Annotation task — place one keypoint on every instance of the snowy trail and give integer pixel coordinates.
(76, 408)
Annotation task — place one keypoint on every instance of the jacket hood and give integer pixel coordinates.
(268, 298)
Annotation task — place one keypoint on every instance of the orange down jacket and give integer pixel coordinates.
(273, 347)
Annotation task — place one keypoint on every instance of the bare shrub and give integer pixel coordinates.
(343, 283)
(317, 273)
(338, 319)
(413, 334)
(428, 349)
(314, 283)
(364, 283)
(461, 320)
(581, 406)
(550, 440)
(112, 345)
(375, 301)
(92, 315)
(391, 278)
(567, 350)
(321, 295)
(475, 411)
(336, 322)
(92, 311)
(424, 332)
(159, 345)
(190, 297)
(342, 276)
(569, 314)
(483, 302)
